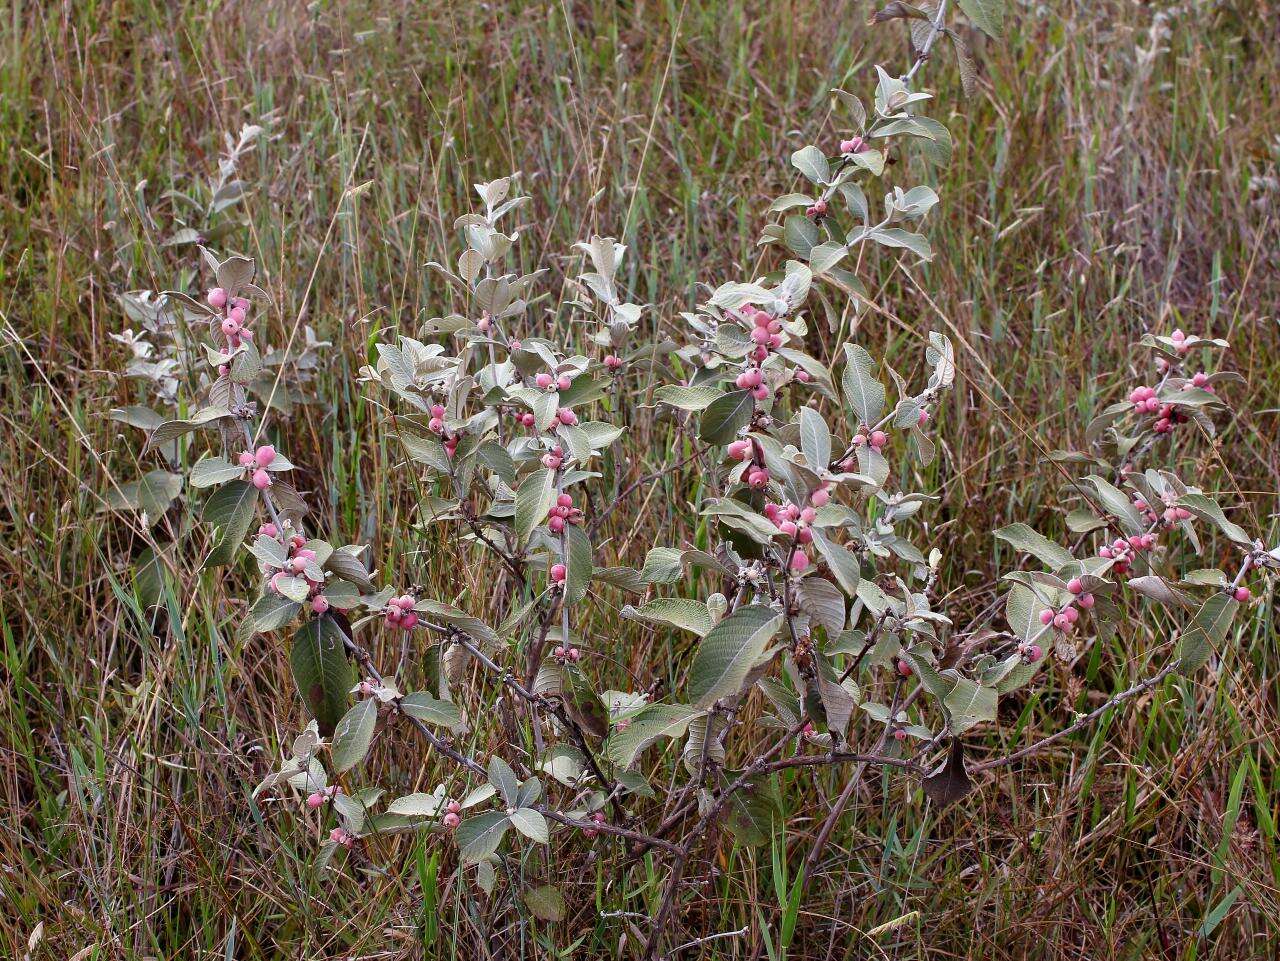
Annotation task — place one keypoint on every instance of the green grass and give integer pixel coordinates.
(1089, 199)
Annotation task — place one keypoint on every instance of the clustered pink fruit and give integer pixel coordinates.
(1064, 619)
(256, 464)
(876, 439)
(436, 426)
(234, 320)
(550, 382)
(451, 819)
(317, 798)
(613, 363)
(598, 818)
(558, 573)
(569, 653)
(794, 522)
(1124, 550)
(563, 513)
(817, 210)
(342, 837)
(400, 612)
(1166, 415)
(300, 559)
(1171, 514)
(853, 145)
(1180, 341)
(553, 458)
(1242, 594)
(484, 323)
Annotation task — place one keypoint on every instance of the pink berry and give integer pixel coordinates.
(1074, 586)
(528, 420)
(853, 145)
(435, 425)
(264, 455)
(451, 820)
(1105, 552)
(1034, 652)
(246, 459)
(556, 524)
(261, 479)
(558, 573)
(453, 807)
(899, 734)
(319, 603)
(760, 393)
(483, 324)
(1071, 614)
(1086, 601)
(788, 528)
(740, 449)
(550, 463)
(437, 410)
(216, 298)
(923, 418)
(269, 530)
(819, 498)
(564, 500)
(878, 439)
(315, 799)
(808, 515)
(760, 336)
(1061, 622)
(819, 207)
(799, 561)
(1046, 617)
(1242, 594)
(567, 417)
(544, 380)
(409, 621)
(563, 382)
(858, 441)
(238, 315)
(802, 375)
(230, 327)
(904, 668)
(805, 535)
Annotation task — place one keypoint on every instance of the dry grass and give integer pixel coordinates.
(1091, 197)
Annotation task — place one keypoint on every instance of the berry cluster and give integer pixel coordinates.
(451, 819)
(596, 817)
(563, 513)
(317, 798)
(1124, 550)
(1145, 402)
(853, 145)
(1064, 619)
(876, 439)
(400, 612)
(1171, 514)
(342, 838)
(553, 458)
(549, 382)
(436, 426)
(613, 363)
(794, 522)
(301, 563)
(234, 320)
(569, 653)
(257, 463)
(558, 573)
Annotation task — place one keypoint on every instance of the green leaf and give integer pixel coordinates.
(545, 902)
(687, 398)
(1209, 509)
(531, 824)
(578, 563)
(214, 470)
(431, 710)
(726, 416)
(321, 670)
(533, 500)
(815, 438)
(503, 779)
(729, 652)
(811, 162)
(987, 15)
(231, 508)
(969, 703)
(843, 562)
(1025, 539)
(479, 837)
(663, 565)
(269, 612)
(648, 725)
(863, 392)
(353, 735)
(680, 612)
(1206, 631)
(825, 256)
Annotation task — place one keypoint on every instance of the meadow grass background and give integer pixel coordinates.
(1106, 181)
